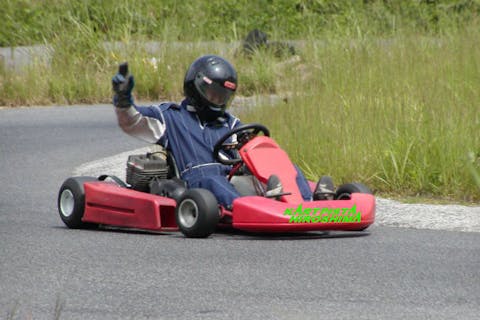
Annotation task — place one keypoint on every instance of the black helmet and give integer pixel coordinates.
(209, 85)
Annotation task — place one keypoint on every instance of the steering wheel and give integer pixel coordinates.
(245, 133)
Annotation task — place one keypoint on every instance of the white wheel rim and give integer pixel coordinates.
(188, 213)
(67, 203)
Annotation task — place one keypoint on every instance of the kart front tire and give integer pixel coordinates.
(71, 202)
(344, 192)
(197, 213)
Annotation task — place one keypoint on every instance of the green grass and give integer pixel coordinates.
(81, 64)
(400, 114)
(34, 21)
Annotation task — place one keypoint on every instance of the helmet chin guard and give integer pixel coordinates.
(209, 114)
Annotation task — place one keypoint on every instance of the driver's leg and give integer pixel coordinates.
(303, 185)
(220, 187)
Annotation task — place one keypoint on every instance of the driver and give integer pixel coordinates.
(190, 130)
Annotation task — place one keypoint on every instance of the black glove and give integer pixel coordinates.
(122, 85)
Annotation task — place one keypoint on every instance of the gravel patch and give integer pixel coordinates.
(428, 216)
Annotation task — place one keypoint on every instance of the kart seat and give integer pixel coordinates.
(172, 166)
(171, 187)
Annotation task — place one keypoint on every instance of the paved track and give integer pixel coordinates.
(48, 271)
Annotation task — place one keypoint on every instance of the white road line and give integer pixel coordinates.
(389, 212)
(115, 165)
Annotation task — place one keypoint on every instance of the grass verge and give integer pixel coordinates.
(401, 114)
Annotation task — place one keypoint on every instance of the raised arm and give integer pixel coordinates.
(145, 123)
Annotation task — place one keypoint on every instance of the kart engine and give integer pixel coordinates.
(142, 168)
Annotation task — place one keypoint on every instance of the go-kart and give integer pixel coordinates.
(155, 198)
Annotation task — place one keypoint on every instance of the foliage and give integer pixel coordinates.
(28, 21)
(401, 115)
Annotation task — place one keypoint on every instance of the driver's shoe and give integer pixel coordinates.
(325, 189)
(274, 187)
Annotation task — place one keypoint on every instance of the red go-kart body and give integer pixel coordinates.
(110, 204)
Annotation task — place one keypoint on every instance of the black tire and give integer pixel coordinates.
(71, 202)
(344, 191)
(197, 213)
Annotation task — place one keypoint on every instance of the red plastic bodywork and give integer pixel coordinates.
(109, 204)
(262, 214)
(264, 157)
(106, 203)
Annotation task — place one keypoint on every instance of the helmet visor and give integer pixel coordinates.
(215, 93)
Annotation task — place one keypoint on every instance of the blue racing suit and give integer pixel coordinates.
(179, 130)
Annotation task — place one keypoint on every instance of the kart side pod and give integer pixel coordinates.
(109, 204)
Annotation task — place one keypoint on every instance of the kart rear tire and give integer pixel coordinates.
(71, 202)
(345, 190)
(197, 213)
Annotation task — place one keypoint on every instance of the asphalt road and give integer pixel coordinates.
(50, 272)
